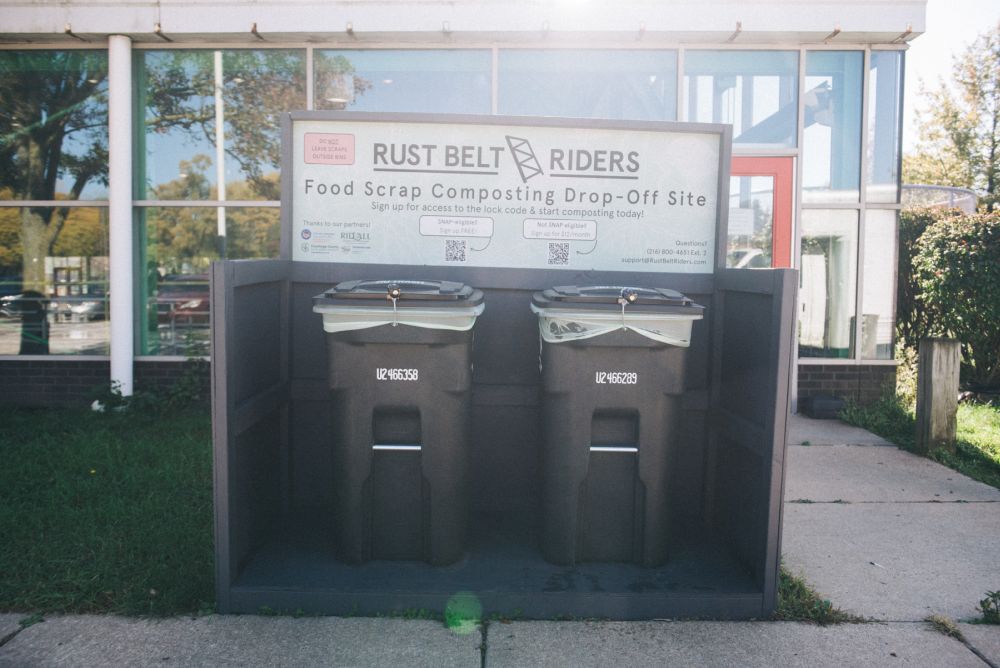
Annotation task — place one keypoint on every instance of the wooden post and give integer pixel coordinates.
(937, 394)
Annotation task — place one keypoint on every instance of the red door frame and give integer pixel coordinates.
(780, 169)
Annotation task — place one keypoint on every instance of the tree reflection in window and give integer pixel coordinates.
(53, 144)
(53, 147)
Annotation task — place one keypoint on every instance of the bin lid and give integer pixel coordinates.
(570, 313)
(611, 298)
(370, 293)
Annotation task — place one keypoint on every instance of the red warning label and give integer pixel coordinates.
(328, 149)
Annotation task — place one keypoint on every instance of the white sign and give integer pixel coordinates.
(415, 193)
(740, 222)
(456, 226)
(571, 230)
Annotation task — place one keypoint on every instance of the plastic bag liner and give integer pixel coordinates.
(561, 325)
(345, 319)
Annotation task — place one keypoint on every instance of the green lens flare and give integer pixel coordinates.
(463, 612)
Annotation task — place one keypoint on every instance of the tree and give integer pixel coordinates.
(960, 129)
(956, 277)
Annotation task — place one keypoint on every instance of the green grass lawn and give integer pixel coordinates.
(977, 453)
(112, 513)
(106, 512)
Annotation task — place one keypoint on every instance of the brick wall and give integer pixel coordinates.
(70, 382)
(50, 382)
(62, 382)
(860, 383)
(160, 376)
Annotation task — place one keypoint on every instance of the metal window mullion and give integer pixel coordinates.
(69, 203)
(310, 73)
(900, 109)
(62, 357)
(863, 197)
(207, 203)
(800, 143)
(898, 205)
(797, 216)
(220, 146)
(834, 361)
(755, 152)
(848, 206)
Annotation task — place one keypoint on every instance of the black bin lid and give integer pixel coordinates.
(407, 292)
(608, 297)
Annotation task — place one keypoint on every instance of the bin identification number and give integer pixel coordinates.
(616, 378)
(397, 374)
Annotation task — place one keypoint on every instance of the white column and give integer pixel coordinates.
(120, 209)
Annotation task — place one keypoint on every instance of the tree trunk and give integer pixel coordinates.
(36, 244)
(38, 236)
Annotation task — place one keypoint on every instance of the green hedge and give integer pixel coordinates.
(949, 285)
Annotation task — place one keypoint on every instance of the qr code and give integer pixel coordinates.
(454, 250)
(559, 253)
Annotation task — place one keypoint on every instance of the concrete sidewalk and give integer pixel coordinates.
(880, 532)
(885, 533)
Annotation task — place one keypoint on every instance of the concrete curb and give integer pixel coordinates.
(722, 644)
(239, 641)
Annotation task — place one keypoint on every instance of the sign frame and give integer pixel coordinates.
(502, 276)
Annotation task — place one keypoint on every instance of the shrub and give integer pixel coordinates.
(911, 320)
(956, 273)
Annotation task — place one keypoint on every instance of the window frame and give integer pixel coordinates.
(494, 47)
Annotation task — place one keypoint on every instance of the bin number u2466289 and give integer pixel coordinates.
(383, 373)
(616, 378)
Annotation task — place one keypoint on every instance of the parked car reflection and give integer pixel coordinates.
(182, 300)
(747, 258)
(12, 306)
(81, 308)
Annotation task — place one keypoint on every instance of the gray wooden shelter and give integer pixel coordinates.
(272, 420)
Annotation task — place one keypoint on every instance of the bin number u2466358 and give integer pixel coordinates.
(616, 378)
(383, 373)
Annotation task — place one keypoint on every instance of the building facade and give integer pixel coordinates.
(139, 143)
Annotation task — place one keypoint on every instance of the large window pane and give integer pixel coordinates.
(453, 81)
(180, 245)
(828, 283)
(53, 288)
(886, 102)
(630, 85)
(53, 125)
(831, 151)
(755, 91)
(878, 289)
(180, 91)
